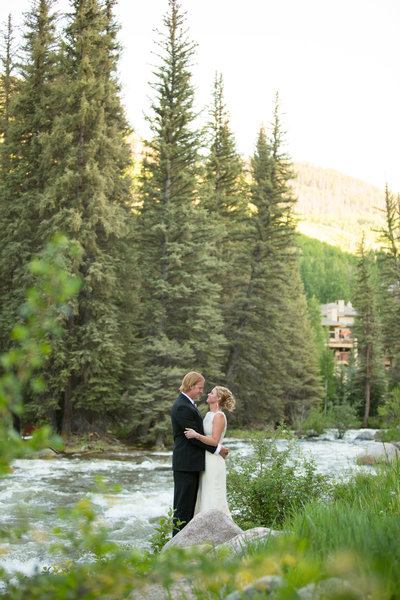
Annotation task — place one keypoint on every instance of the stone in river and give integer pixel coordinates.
(209, 527)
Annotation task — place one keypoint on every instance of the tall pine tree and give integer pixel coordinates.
(180, 320)
(224, 193)
(369, 381)
(88, 198)
(271, 365)
(9, 84)
(25, 175)
(389, 306)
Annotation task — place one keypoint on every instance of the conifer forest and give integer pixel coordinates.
(189, 257)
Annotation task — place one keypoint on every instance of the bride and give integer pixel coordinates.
(212, 484)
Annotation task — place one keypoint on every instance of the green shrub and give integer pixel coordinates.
(267, 487)
(391, 435)
(163, 531)
(315, 422)
(342, 417)
(390, 414)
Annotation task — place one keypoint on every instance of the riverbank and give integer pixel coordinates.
(353, 539)
(97, 444)
(93, 443)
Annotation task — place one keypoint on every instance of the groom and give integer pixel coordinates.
(188, 457)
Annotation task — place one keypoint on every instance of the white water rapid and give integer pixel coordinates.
(136, 491)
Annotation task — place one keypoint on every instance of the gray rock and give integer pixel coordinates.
(365, 435)
(330, 588)
(249, 537)
(211, 526)
(260, 588)
(180, 590)
(378, 452)
(46, 453)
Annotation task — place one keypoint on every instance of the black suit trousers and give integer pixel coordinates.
(186, 484)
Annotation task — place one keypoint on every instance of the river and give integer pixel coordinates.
(137, 489)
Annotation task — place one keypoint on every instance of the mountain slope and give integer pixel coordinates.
(336, 208)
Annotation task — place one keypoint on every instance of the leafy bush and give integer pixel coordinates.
(390, 414)
(267, 487)
(342, 417)
(163, 531)
(315, 422)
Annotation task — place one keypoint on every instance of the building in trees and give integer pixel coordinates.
(338, 319)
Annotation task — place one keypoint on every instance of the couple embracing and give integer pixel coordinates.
(198, 457)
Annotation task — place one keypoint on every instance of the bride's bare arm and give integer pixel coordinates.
(213, 439)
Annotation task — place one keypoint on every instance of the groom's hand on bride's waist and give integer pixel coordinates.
(224, 451)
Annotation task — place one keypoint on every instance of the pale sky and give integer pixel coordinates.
(334, 63)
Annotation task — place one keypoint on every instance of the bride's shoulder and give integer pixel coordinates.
(220, 412)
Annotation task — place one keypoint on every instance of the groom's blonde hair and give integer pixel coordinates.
(189, 380)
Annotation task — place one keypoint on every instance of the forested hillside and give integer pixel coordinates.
(336, 208)
(327, 271)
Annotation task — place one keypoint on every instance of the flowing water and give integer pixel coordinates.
(136, 490)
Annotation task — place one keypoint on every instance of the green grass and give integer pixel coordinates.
(353, 536)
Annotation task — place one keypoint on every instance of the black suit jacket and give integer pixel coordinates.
(188, 455)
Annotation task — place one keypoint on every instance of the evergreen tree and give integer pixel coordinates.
(271, 364)
(326, 361)
(224, 193)
(223, 190)
(302, 381)
(368, 382)
(29, 116)
(180, 319)
(389, 306)
(8, 213)
(7, 80)
(87, 197)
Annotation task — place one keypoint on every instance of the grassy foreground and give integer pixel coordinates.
(352, 536)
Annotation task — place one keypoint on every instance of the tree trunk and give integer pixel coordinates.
(367, 387)
(67, 412)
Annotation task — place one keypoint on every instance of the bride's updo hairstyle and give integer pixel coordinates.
(226, 398)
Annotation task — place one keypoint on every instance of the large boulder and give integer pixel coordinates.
(179, 590)
(330, 588)
(262, 588)
(367, 436)
(46, 453)
(257, 535)
(378, 452)
(209, 527)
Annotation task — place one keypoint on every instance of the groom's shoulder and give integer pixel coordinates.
(180, 403)
(180, 398)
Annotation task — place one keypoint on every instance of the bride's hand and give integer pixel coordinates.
(190, 433)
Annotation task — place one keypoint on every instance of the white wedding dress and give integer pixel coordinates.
(212, 484)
